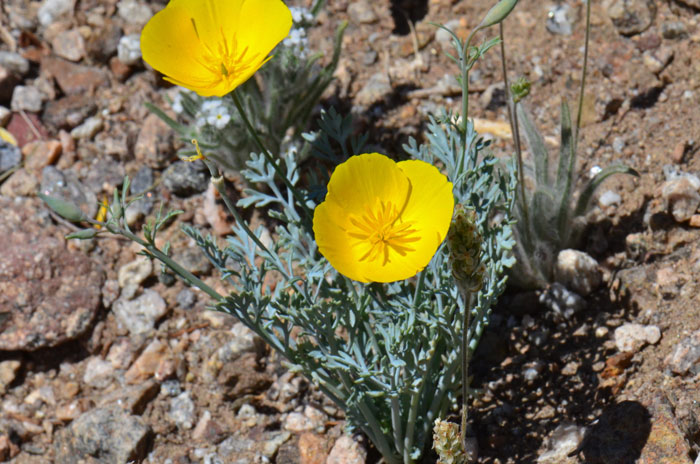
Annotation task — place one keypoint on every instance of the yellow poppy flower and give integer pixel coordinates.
(383, 221)
(213, 46)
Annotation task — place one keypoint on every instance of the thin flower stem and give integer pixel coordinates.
(411, 425)
(186, 275)
(468, 301)
(268, 156)
(396, 425)
(218, 181)
(583, 72)
(513, 117)
(465, 66)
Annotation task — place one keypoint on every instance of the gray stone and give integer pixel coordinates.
(631, 17)
(377, 87)
(26, 98)
(140, 314)
(565, 439)
(632, 337)
(10, 156)
(98, 372)
(134, 12)
(185, 298)
(51, 10)
(110, 433)
(560, 19)
(129, 49)
(88, 128)
(685, 356)
(68, 112)
(185, 179)
(681, 197)
(182, 410)
(51, 294)
(361, 12)
(577, 271)
(135, 272)
(14, 62)
(69, 45)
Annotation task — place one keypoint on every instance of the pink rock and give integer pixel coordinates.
(347, 451)
(74, 78)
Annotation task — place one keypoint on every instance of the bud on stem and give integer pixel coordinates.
(63, 208)
(497, 13)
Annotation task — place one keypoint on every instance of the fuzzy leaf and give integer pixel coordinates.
(536, 144)
(591, 187)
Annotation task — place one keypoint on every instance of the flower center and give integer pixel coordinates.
(223, 59)
(381, 230)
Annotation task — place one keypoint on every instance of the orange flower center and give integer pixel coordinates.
(382, 229)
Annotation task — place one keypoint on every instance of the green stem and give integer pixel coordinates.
(465, 363)
(465, 67)
(583, 72)
(411, 425)
(186, 275)
(515, 127)
(268, 156)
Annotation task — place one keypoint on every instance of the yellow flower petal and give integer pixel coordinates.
(364, 178)
(363, 228)
(430, 206)
(213, 46)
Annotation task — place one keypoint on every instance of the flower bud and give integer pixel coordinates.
(82, 234)
(497, 13)
(464, 243)
(63, 208)
(447, 443)
(520, 89)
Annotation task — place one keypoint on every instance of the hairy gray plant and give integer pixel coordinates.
(550, 210)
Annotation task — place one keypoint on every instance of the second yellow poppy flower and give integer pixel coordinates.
(213, 46)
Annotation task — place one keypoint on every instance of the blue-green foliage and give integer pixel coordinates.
(387, 354)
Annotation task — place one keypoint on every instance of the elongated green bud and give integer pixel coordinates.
(447, 443)
(63, 208)
(83, 234)
(497, 13)
(464, 243)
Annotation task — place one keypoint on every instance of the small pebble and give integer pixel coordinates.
(632, 337)
(88, 128)
(129, 49)
(26, 98)
(578, 271)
